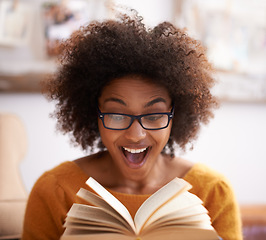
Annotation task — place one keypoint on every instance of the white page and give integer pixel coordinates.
(83, 221)
(85, 212)
(158, 199)
(99, 202)
(183, 201)
(181, 218)
(113, 201)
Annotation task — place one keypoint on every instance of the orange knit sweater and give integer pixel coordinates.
(55, 192)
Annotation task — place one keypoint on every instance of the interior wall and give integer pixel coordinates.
(233, 143)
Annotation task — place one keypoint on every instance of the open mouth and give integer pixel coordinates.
(135, 158)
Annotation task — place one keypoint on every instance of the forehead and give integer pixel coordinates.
(134, 86)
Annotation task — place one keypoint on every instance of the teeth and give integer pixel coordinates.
(135, 150)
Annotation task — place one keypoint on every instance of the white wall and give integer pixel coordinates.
(233, 143)
(46, 148)
(153, 11)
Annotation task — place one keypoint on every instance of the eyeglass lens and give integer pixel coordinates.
(151, 121)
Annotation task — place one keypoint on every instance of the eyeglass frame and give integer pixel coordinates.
(138, 117)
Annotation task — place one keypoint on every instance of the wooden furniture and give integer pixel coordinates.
(254, 222)
(13, 196)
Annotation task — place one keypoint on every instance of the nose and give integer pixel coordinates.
(136, 132)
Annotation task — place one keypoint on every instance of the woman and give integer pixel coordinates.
(134, 94)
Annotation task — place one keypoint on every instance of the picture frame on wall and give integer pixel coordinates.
(234, 34)
(30, 32)
(16, 23)
(62, 18)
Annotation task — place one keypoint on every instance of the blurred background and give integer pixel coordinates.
(233, 31)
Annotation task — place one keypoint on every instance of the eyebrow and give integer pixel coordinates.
(118, 100)
(156, 100)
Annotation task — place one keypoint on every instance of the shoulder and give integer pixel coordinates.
(217, 194)
(61, 173)
(50, 199)
(202, 173)
(65, 177)
(209, 184)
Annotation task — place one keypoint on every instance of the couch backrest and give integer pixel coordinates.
(13, 195)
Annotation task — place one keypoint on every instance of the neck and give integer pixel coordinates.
(136, 182)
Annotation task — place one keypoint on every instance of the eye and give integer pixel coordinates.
(153, 118)
(116, 117)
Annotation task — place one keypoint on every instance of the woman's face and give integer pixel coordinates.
(134, 151)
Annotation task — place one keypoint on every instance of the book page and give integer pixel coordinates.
(84, 235)
(188, 217)
(111, 200)
(193, 220)
(179, 203)
(72, 222)
(183, 233)
(90, 213)
(159, 199)
(93, 228)
(99, 202)
(169, 233)
(198, 211)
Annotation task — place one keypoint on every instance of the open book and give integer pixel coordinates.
(170, 213)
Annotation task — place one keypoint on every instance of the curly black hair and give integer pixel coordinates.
(102, 51)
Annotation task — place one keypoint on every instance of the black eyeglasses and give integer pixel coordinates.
(151, 121)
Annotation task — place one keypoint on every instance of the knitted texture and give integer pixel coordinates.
(55, 192)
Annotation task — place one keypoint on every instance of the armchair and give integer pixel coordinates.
(13, 196)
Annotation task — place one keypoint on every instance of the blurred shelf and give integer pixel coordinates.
(230, 87)
(24, 83)
(239, 87)
(24, 77)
